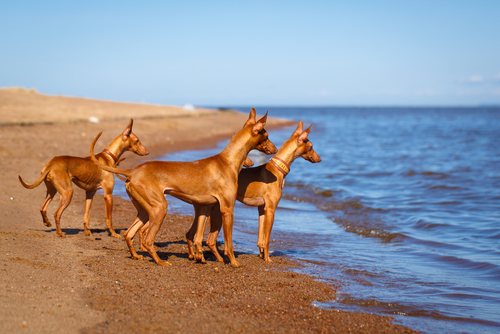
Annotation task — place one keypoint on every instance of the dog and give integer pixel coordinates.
(262, 187)
(202, 183)
(59, 173)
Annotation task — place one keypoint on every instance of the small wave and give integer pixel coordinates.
(349, 207)
(449, 203)
(445, 187)
(481, 267)
(361, 272)
(434, 175)
(325, 193)
(366, 229)
(385, 307)
(395, 309)
(420, 224)
(325, 200)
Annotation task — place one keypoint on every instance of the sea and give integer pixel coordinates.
(403, 211)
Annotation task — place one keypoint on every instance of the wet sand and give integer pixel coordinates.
(90, 284)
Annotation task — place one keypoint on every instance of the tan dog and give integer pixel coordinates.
(202, 183)
(59, 173)
(262, 187)
(142, 231)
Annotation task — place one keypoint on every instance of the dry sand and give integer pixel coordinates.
(82, 284)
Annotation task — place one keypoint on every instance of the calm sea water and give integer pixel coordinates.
(404, 210)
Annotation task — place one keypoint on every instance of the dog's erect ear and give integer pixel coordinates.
(263, 119)
(298, 131)
(128, 130)
(257, 128)
(251, 117)
(259, 125)
(303, 135)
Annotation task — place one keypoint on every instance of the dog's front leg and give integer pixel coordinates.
(108, 201)
(227, 225)
(260, 238)
(266, 233)
(86, 216)
(203, 212)
(190, 235)
(215, 226)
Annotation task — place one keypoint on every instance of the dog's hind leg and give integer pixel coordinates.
(156, 216)
(62, 183)
(66, 197)
(129, 236)
(51, 192)
(142, 220)
(141, 233)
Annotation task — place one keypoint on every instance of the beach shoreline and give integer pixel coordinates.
(90, 284)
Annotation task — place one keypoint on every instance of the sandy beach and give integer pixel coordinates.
(82, 284)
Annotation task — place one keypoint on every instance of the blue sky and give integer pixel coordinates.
(220, 53)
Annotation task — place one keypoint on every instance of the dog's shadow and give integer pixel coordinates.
(165, 254)
(96, 232)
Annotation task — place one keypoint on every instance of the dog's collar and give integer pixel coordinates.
(281, 165)
(110, 154)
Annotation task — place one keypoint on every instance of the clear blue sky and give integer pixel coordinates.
(220, 53)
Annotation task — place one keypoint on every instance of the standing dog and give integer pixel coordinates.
(262, 187)
(59, 172)
(202, 183)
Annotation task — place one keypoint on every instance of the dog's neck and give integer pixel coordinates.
(281, 165)
(284, 158)
(115, 149)
(237, 149)
(111, 155)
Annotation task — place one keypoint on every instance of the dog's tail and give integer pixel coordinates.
(125, 172)
(37, 183)
(124, 179)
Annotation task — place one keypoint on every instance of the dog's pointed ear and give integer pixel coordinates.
(128, 130)
(298, 131)
(251, 117)
(263, 119)
(257, 128)
(259, 125)
(303, 136)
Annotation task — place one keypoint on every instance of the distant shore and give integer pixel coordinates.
(90, 284)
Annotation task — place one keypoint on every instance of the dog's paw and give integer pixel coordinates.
(235, 264)
(163, 263)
